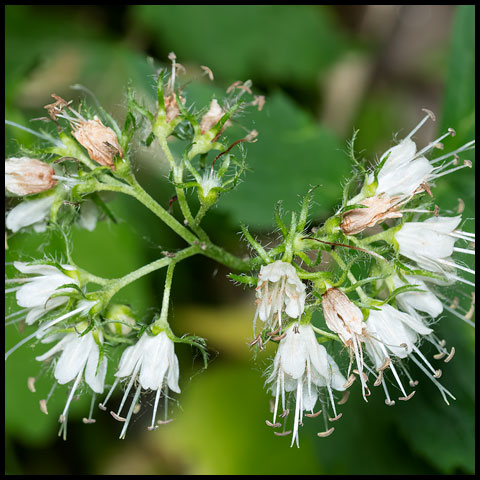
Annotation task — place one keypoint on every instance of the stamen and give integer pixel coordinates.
(432, 144)
(45, 327)
(282, 434)
(344, 398)
(102, 406)
(350, 381)
(130, 411)
(129, 386)
(57, 143)
(155, 406)
(273, 425)
(334, 419)
(442, 389)
(388, 401)
(297, 413)
(430, 115)
(90, 414)
(419, 353)
(456, 265)
(464, 250)
(276, 398)
(331, 399)
(31, 384)
(408, 397)
(316, 414)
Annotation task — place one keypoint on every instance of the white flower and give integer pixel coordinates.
(80, 358)
(302, 366)
(31, 212)
(88, 215)
(346, 319)
(26, 176)
(423, 301)
(35, 293)
(431, 244)
(153, 364)
(279, 289)
(395, 334)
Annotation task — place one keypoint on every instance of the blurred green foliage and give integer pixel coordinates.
(219, 427)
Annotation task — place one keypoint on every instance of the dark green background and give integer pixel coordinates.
(391, 62)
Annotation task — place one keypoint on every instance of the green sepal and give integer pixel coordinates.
(245, 279)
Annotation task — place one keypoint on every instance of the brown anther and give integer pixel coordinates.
(136, 408)
(455, 160)
(233, 85)
(62, 418)
(313, 415)
(404, 345)
(439, 356)
(344, 398)
(259, 100)
(461, 206)
(408, 397)
(252, 136)
(350, 381)
(273, 425)
(450, 355)
(439, 145)
(56, 107)
(469, 314)
(150, 428)
(282, 434)
(88, 420)
(378, 381)
(429, 113)
(435, 211)
(390, 403)
(326, 434)
(43, 406)
(284, 413)
(172, 56)
(295, 329)
(207, 71)
(334, 419)
(255, 340)
(164, 422)
(101, 406)
(31, 384)
(364, 375)
(427, 189)
(444, 342)
(385, 365)
(437, 374)
(278, 338)
(117, 417)
(271, 334)
(413, 383)
(467, 163)
(272, 406)
(452, 132)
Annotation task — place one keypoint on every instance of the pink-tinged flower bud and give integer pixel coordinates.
(100, 141)
(378, 209)
(25, 176)
(212, 117)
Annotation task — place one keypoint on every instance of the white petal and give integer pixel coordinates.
(29, 212)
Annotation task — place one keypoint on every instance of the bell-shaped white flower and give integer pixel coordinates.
(30, 213)
(35, 292)
(152, 363)
(393, 335)
(431, 243)
(80, 358)
(423, 300)
(279, 289)
(302, 365)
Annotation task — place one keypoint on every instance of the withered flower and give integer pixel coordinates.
(100, 141)
(378, 209)
(26, 176)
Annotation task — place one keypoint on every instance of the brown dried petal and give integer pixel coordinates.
(378, 209)
(100, 141)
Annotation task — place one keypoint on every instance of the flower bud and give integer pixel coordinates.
(377, 210)
(100, 141)
(120, 319)
(25, 176)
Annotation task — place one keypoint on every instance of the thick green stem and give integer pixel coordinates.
(162, 321)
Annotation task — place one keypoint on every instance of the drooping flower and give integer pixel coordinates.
(431, 243)
(80, 359)
(35, 293)
(279, 289)
(303, 366)
(152, 363)
(393, 336)
(30, 213)
(26, 176)
(345, 319)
